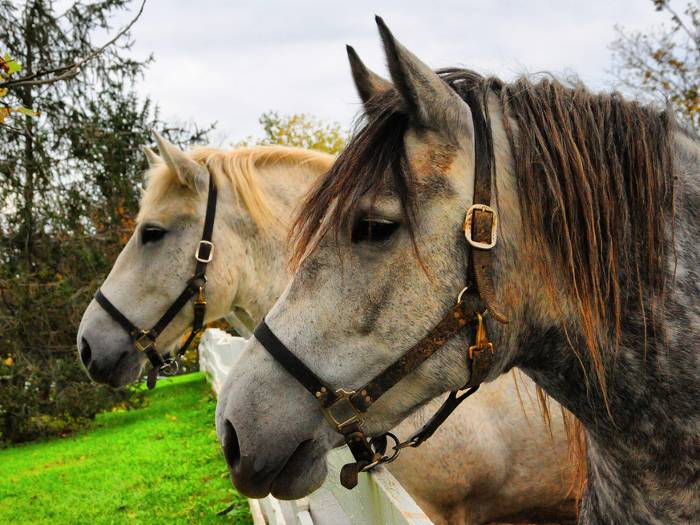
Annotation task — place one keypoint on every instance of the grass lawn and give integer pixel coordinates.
(158, 464)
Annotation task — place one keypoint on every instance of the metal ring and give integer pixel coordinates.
(396, 448)
(170, 367)
(369, 467)
(385, 459)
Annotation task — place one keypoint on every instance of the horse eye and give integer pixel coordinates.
(152, 234)
(373, 229)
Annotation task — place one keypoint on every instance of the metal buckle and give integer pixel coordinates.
(468, 226)
(344, 417)
(199, 248)
(145, 334)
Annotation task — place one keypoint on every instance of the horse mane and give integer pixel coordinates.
(238, 168)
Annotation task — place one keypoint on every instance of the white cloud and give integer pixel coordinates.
(231, 61)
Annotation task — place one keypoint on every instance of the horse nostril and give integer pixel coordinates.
(232, 450)
(85, 352)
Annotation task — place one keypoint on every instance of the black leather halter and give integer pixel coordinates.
(344, 409)
(144, 340)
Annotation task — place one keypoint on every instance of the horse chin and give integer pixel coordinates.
(126, 372)
(303, 473)
(129, 376)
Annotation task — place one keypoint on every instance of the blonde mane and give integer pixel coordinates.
(239, 169)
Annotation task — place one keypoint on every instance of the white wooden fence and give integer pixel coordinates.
(378, 497)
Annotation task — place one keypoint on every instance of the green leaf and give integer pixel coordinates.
(14, 67)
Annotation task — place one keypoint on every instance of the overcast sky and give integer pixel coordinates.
(231, 61)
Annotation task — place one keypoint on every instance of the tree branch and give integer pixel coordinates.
(67, 71)
(676, 18)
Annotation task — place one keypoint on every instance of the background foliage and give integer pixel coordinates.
(300, 131)
(663, 63)
(69, 189)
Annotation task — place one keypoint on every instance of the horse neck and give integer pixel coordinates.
(642, 435)
(262, 273)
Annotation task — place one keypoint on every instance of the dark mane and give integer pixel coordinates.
(373, 160)
(594, 175)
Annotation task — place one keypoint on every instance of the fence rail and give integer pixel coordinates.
(378, 497)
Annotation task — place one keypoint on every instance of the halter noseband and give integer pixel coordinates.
(144, 340)
(344, 409)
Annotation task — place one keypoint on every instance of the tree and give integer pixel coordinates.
(70, 181)
(663, 64)
(299, 130)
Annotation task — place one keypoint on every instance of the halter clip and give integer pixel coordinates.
(201, 299)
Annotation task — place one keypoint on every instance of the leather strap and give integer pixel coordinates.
(115, 314)
(454, 399)
(452, 323)
(483, 221)
(187, 293)
(292, 364)
(455, 320)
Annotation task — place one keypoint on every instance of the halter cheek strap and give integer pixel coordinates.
(144, 340)
(344, 409)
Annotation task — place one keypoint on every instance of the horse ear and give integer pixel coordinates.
(367, 83)
(429, 100)
(152, 157)
(189, 173)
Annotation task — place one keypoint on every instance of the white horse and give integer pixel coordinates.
(495, 459)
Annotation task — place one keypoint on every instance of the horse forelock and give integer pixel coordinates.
(373, 161)
(240, 169)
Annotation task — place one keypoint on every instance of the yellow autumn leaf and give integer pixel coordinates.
(9, 361)
(26, 111)
(4, 113)
(3, 92)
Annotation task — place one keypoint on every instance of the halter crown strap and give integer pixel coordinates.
(483, 224)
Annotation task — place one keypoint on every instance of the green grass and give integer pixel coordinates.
(158, 464)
